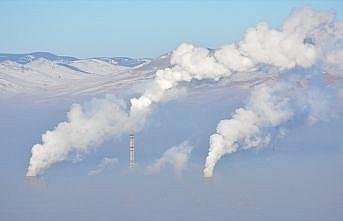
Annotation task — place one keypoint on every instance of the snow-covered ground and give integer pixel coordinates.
(47, 76)
(55, 76)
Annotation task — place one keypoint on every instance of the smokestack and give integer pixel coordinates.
(132, 150)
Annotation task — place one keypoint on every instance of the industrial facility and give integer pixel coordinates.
(132, 150)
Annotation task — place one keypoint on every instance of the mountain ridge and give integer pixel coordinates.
(25, 58)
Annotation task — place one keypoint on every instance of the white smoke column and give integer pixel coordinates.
(266, 108)
(87, 126)
(189, 63)
(104, 164)
(176, 156)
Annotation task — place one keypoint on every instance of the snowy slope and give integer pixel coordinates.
(45, 74)
(49, 76)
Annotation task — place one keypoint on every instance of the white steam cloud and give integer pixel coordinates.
(104, 164)
(87, 127)
(269, 106)
(177, 157)
(266, 108)
(306, 39)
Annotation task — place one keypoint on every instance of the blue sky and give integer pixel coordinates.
(134, 28)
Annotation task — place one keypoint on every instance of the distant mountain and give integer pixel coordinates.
(26, 58)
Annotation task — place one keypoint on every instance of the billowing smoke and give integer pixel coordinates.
(177, 157)
(266, 109)
(269, 107)
(104, 164)
(306, 39)
(87, 127)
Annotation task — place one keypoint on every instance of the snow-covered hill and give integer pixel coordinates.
(49, 76)
(45, 74)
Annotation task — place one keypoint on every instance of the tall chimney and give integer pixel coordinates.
(132, 150)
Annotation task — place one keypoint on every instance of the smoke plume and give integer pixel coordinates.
(176, 156)
(266, 108)
(87, 127)
(307, 38)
